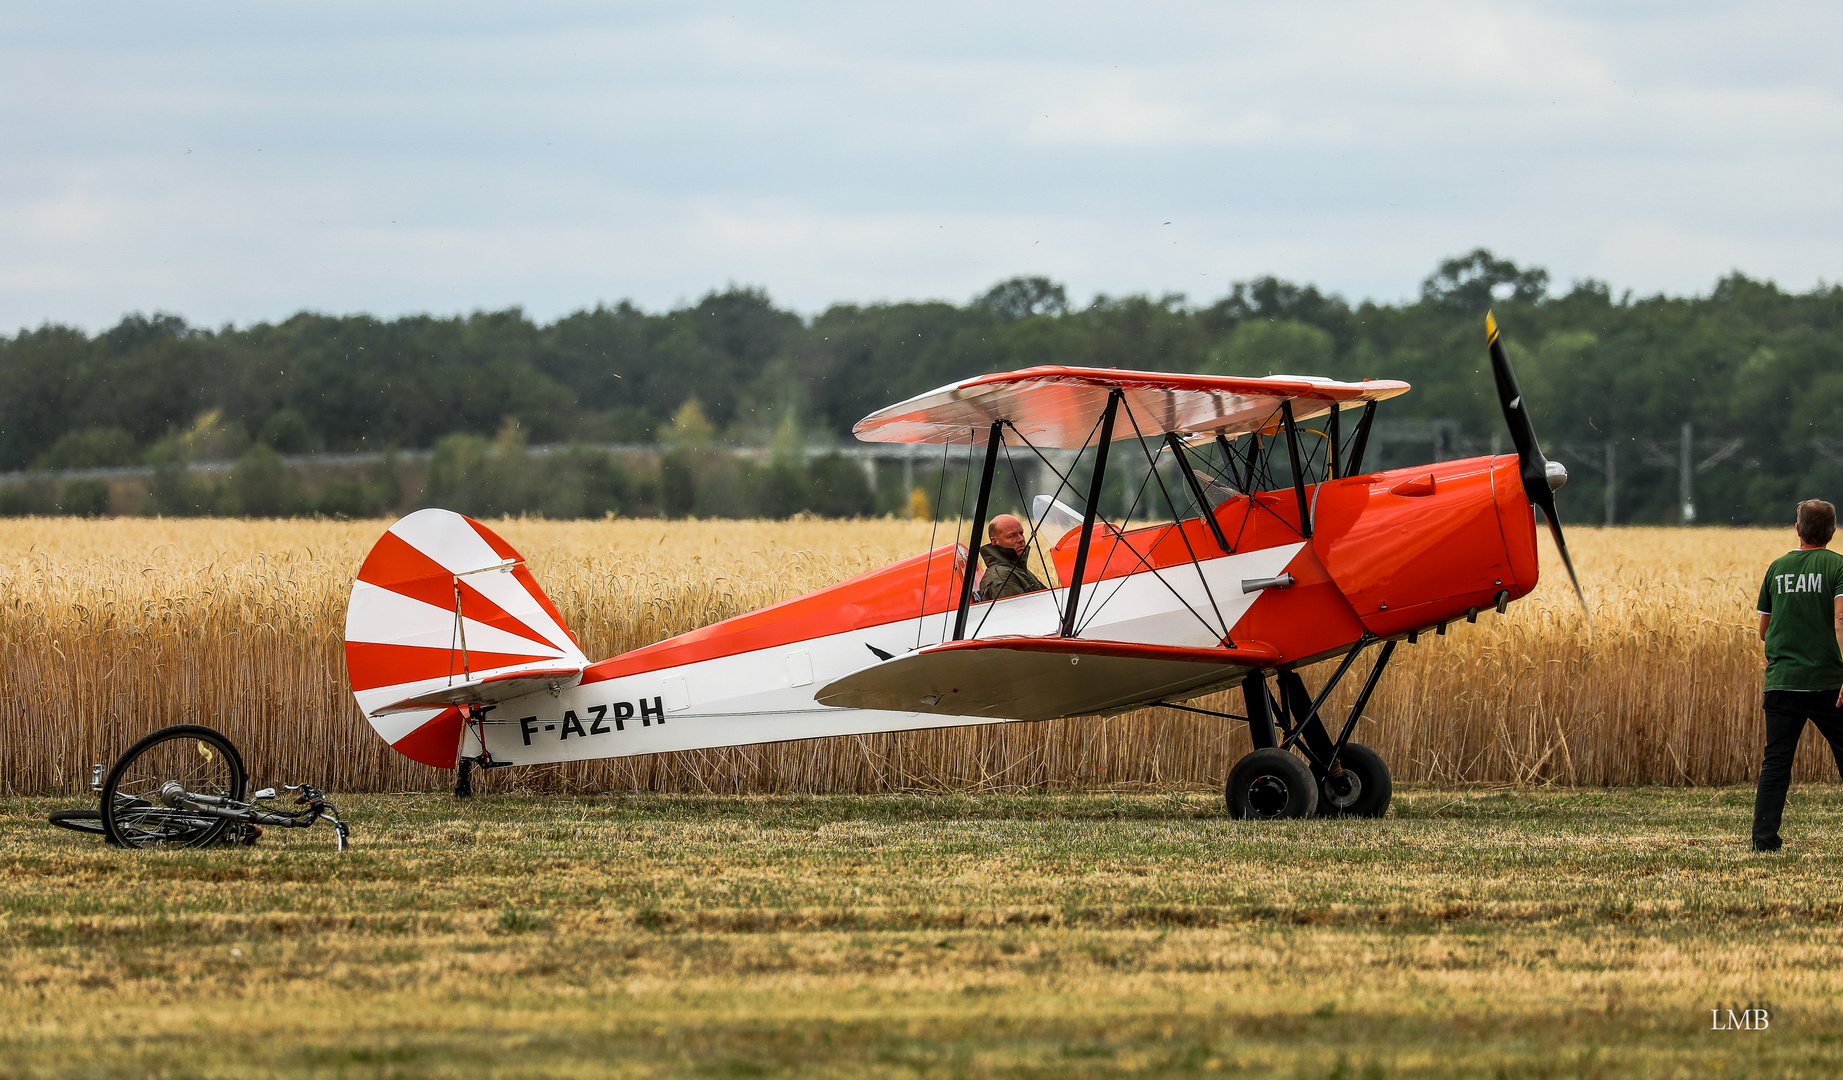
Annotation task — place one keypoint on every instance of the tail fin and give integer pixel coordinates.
(444, 613)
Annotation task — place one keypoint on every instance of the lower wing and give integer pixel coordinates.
(1041, 678)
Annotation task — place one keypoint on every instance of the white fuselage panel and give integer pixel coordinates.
(766, 695)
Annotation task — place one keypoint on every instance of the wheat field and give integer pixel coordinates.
(112, 628)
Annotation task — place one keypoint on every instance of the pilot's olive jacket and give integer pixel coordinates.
(1005, 574)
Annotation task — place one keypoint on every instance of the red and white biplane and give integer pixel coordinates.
(1271, 549)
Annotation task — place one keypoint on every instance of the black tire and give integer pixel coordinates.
(1270, 784)
(1363, 791)
(202, 760)
(84, 822)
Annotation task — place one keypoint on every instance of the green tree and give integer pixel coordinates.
(678, 493)
(287, 431)
(84, 498)
(1274, 347)
(90, 448)
(1022, 297)
(452, 468)
(1474, 281)
(263, 486)
(839, 487)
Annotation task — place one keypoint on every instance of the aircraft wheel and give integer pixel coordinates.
(1363, 791)
(1271, 783)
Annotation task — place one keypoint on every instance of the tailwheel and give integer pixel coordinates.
(1362, 789)
(1269, 784)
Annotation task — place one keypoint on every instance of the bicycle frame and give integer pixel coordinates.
(317, 808)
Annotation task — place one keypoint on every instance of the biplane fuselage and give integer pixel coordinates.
(458, 658)
(1389, 553)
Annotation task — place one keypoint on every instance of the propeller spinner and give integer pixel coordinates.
(1540, 475)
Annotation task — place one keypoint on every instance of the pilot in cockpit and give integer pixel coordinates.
(1006, 572)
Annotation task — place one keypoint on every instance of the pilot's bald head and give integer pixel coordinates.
(1007, 531)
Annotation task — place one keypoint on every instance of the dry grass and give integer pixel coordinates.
(110, 629)
(1473, 933)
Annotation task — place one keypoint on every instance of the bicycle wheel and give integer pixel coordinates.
(135, 811)
(86, 822)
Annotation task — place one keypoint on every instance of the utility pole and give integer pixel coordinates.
(1602, 459)
(1685, 463)
(1612, 482)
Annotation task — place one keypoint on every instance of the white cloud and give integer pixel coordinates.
(448, 158)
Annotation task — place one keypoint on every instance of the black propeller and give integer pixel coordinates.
(1540, 475)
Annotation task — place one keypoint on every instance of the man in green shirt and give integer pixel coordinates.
(1801, 621)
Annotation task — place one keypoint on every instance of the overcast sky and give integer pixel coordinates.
(236, 163)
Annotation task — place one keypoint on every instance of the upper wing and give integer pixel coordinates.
(1058, 406)
(1041, 678)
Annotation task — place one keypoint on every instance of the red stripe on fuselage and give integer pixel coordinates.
(893, 593)
(1270, 519)
(1247, 654)
(890, 594)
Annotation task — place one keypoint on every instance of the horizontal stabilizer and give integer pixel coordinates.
(490, 690)
(1041, 678)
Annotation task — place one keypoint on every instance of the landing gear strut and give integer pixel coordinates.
(474, 716)
(1346, 779)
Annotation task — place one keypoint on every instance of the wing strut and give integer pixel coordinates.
(1196, 489)
(1088, 512)
(979, 509)
(1331, 444)
(1292, 453)
(1361, 440)
(1254, 459)
(1178, 516)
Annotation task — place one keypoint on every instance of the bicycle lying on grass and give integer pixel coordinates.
(183, 787)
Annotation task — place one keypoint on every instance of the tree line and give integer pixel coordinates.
(1747, 364)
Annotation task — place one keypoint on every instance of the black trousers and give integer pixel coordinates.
(1786, 713)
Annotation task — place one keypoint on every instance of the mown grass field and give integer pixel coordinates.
(1473, 932)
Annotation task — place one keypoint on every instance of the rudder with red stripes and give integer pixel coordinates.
(443, 601)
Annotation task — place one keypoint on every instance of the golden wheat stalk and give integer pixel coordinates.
(110, 629)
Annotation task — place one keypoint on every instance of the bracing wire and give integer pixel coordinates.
(1349, 444)
(1267, 482)
(934, 525)
(1064, 481)
(1152, 468)
(1036, 526)
(966, 478)
(1096, 604)
(1023, 500)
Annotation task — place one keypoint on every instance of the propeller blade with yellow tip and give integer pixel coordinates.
(1540, 475)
